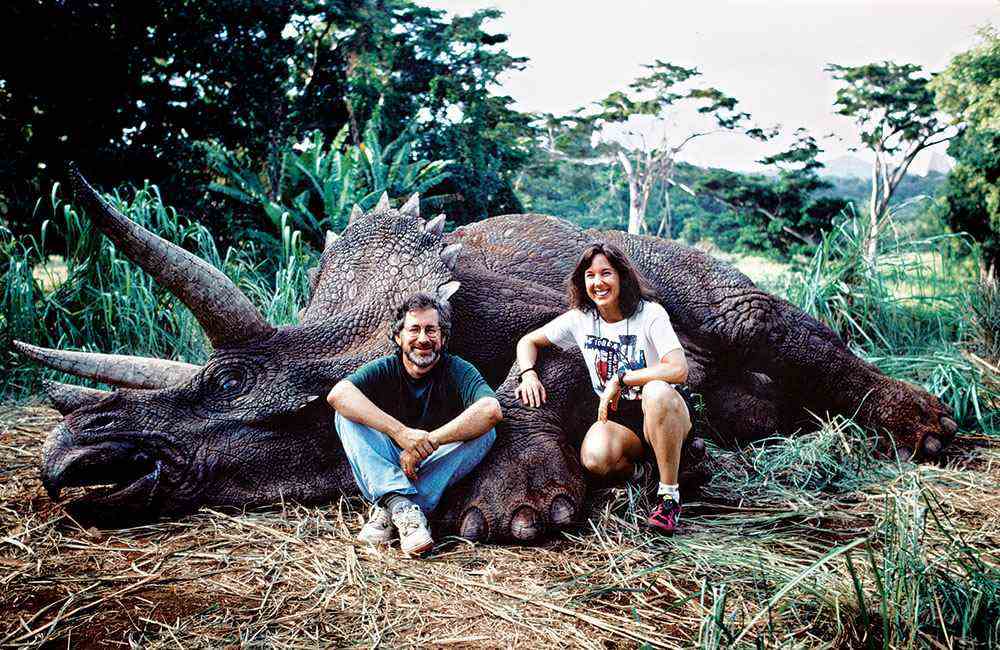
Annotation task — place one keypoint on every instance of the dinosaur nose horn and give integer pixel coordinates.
(67, 398)
(115, 369)
(227, 316)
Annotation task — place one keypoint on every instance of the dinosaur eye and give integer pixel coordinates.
(229, 381)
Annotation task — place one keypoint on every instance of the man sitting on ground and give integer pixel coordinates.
(413, 423)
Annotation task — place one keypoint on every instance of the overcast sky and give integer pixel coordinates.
(769, 54)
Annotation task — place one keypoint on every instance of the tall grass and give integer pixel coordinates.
(924, 579)
(911, 315)
(106, 303)
(814, 541)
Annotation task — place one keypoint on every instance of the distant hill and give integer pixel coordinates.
(847, 167)
(858, 190)
(935, 162)
(854, 167)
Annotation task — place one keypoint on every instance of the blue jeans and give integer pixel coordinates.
(374, 459)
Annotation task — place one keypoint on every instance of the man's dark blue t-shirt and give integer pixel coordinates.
(426, 403)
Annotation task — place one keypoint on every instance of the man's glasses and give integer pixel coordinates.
(431, 331)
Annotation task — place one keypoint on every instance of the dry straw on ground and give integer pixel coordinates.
(747, 570)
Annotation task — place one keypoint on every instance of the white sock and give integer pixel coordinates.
(672, 491)
(394, 502)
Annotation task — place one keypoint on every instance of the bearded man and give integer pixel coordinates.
(413, 423)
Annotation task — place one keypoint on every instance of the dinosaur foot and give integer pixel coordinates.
(521, 493)
(921, 426)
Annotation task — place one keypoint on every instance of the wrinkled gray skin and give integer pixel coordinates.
(251, 426)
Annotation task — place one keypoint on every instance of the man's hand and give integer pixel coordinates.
(609, 398)
(530, 390)
(417, 441)
(409, 461)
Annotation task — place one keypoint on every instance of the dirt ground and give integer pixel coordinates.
(293, 576)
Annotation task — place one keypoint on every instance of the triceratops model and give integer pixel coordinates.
(251, 425)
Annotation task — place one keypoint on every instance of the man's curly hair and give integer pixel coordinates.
(420, 301)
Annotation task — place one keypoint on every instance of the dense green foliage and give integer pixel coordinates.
(969, 90)
(781, 214)
(128, 90)
(318, 183)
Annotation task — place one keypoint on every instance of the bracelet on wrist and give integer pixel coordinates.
(520, 375)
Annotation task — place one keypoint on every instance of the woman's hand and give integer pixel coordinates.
(530, 390)
(609, 398)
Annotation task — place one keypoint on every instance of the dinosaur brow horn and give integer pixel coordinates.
(115, 369)
(227, 316)
(67, 398)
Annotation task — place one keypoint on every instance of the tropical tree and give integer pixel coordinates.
(892, 106)
(130, 89)
(319, 183)
(783, 213)
(644, 128)
(969, 91)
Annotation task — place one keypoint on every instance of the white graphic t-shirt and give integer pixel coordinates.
(637, 341)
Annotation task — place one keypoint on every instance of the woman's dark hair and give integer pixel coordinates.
(633, 290)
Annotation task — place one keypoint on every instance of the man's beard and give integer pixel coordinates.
(423, 358)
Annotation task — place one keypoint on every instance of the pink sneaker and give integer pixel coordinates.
(666, 517)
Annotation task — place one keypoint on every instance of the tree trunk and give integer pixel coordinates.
(667, 222)
(638, 194)
(875, 203)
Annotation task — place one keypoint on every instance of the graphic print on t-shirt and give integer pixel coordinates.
(612, 355)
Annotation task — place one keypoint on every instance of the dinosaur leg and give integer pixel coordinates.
(531, 482)
(742, 407)
(800, 352)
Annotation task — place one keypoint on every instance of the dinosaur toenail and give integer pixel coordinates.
(562, 510)
(525, 525)
(950, 426)
(932, 446)
(904, 454)
(473, 525)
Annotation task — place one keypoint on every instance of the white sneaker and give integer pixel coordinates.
(379, 528)
(414, 538)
